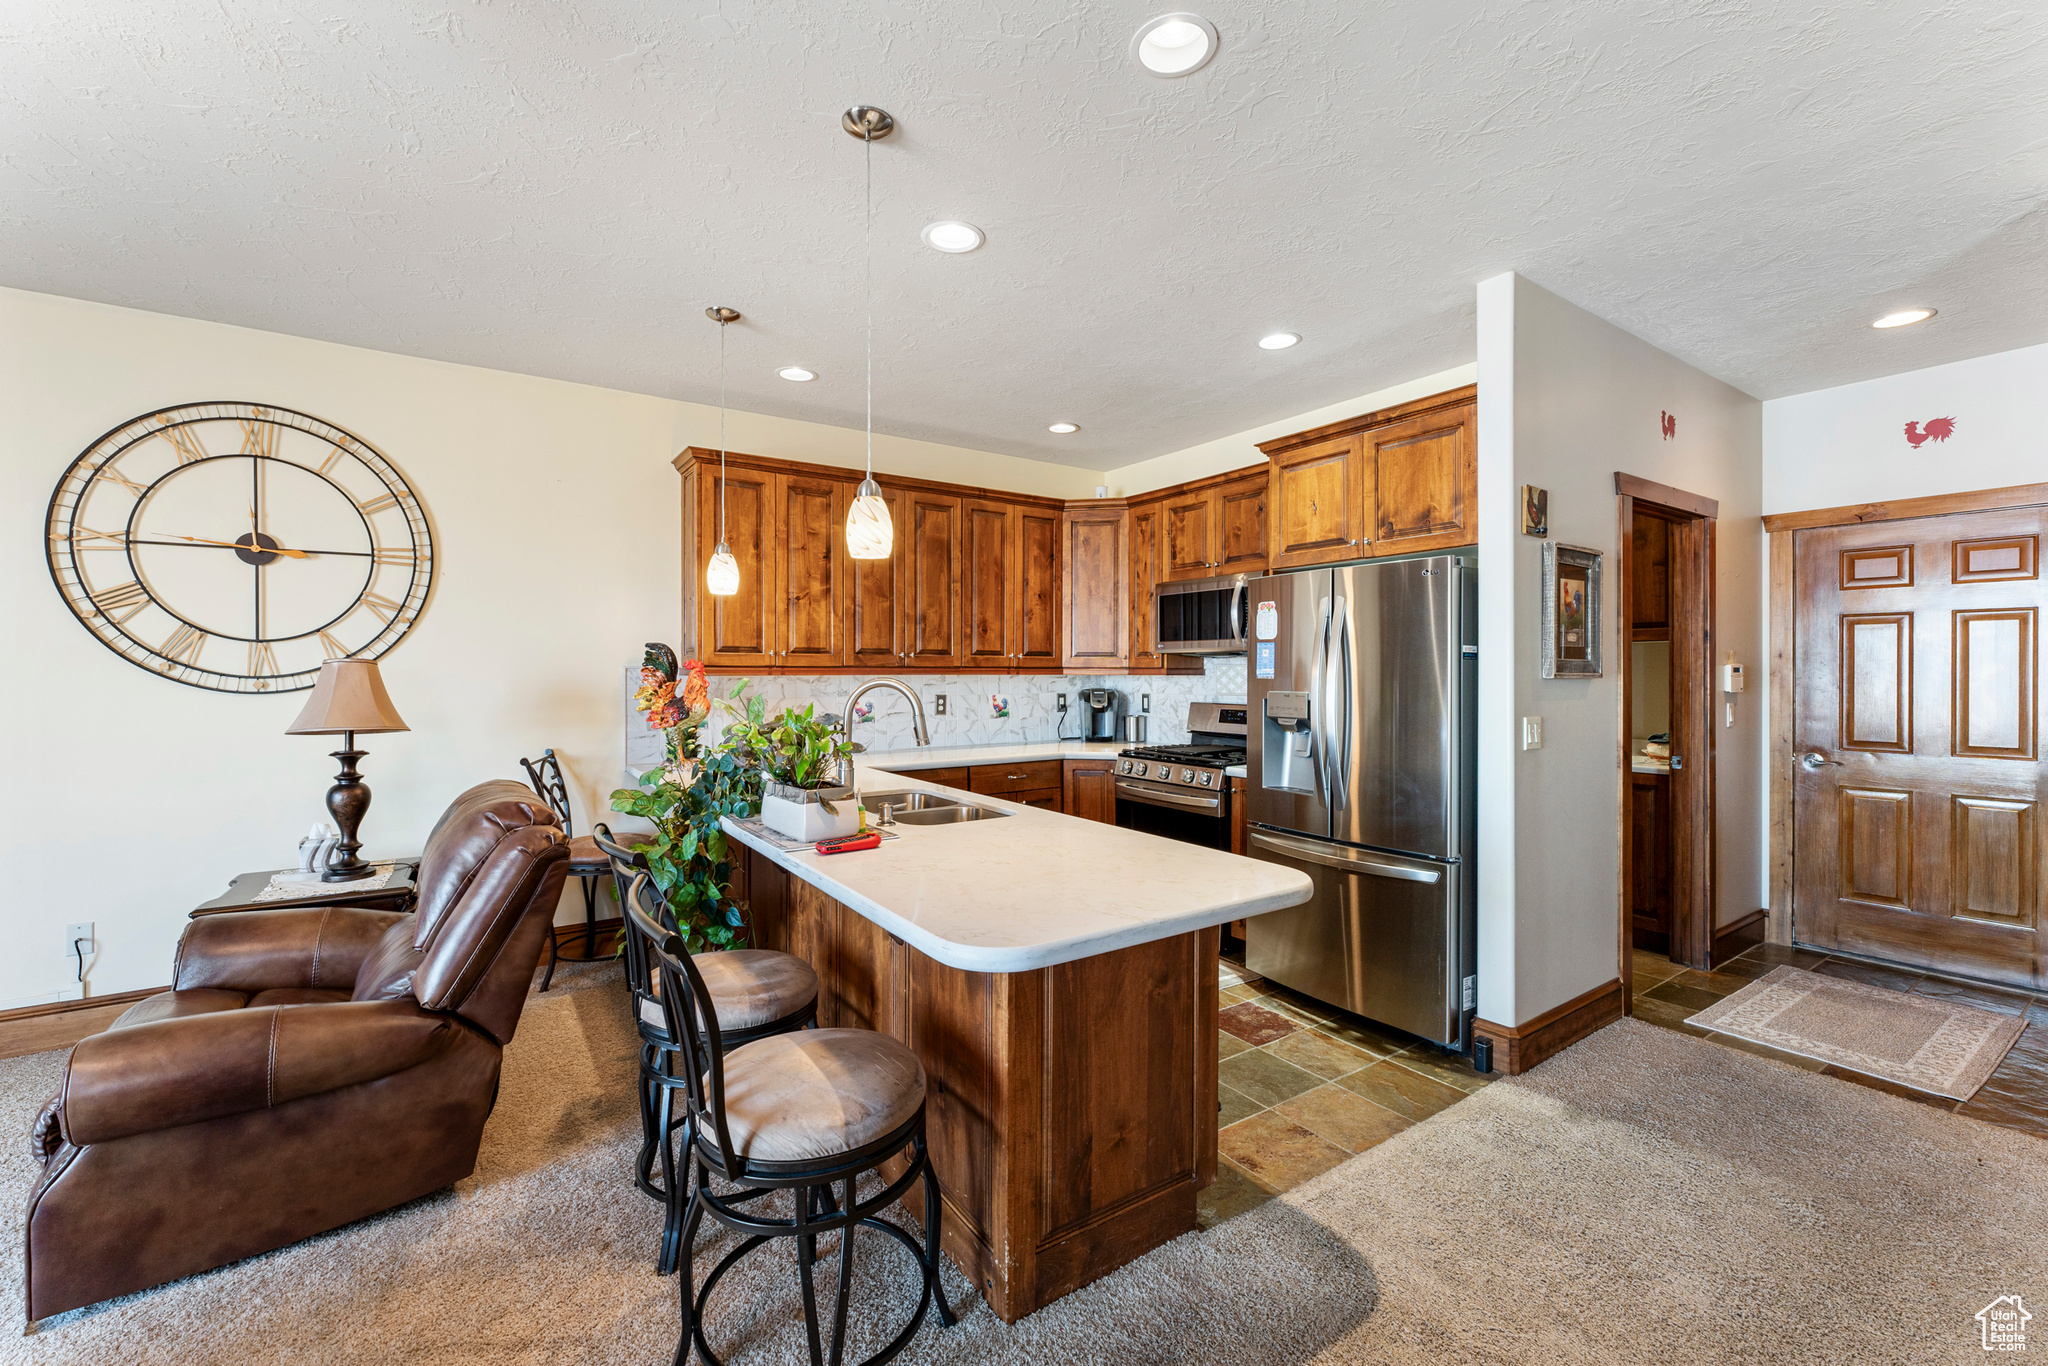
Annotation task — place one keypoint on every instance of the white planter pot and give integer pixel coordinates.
(808, 820)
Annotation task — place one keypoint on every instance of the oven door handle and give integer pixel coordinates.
(1342, 859)
(1190, 802)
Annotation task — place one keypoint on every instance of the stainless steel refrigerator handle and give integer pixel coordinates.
(1317, 718)
(1339, 677)
(1342, 859)
(1158, 798)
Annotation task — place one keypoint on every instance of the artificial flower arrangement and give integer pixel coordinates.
(696, 784)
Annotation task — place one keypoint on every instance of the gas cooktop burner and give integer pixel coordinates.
(1197, 754)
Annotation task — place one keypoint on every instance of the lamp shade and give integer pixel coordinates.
(868, 532)
(348, 696)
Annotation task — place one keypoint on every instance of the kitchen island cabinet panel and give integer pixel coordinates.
(1071, 1110)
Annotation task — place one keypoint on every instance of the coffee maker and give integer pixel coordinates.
(1102, 714)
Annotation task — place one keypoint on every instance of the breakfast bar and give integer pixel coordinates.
(1057, 979)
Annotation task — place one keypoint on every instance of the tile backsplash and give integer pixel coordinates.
(973, 704)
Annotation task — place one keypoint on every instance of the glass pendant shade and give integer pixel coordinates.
(869, 534)
(722, 575)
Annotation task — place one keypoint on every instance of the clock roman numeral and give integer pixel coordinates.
(85, 538)
(184, 645)
(259, 437)
(377, 505)
(333, 458)
(187, 444)
(122, 601)
(107, 471)
(385, 608)
(333, 649)
(262, 662)
(401, 558)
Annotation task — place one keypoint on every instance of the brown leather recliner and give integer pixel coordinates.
(308, 1068)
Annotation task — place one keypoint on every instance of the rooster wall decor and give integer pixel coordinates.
(1669, 425)
(1940, 429)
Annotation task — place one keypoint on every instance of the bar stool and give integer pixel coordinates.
(756, 993)
(586, 861)
(798, 1112)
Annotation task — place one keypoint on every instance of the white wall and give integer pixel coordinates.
(130, 799)
(1848, 445)
(1565, 400)
(1240, 449)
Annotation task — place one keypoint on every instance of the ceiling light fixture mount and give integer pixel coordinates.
(1174, 45)
(1278, 341)
(722, 574)
(1905, 317)
(952, 237)
(797, 374)
(869, 535)
(1064, 428)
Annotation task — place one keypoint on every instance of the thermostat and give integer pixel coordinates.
(1731, 678)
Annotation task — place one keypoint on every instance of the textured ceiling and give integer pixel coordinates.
(560, 188)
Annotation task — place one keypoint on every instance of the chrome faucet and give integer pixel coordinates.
(917, 726)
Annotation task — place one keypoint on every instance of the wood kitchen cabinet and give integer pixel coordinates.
(1038, 783)
(1010, 576)
(737, 632)
(1393, 482)
(876, 591)
(929, 539)
(810, 571)
(1144, 524)
(1100, 610)
(1090, 789)
(1212, 528)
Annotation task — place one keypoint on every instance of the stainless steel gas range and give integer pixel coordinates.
(1182, 792)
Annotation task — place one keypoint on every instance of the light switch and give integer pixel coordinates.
(1532, 732)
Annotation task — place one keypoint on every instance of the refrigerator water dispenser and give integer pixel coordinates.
(1287, 758)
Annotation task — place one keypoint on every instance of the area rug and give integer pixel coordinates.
(1644, 1196)
(1918, 1041)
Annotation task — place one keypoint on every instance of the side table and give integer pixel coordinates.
(395, 895)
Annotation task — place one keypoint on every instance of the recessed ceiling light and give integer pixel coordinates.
(1063, 428)
(1279, 341)
(797, 373)
(1906, 318)
(1174, 45)
(953, 237)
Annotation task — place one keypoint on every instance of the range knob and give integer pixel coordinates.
(1124, 767)
(1187, 775)
(1139, 770)
(1208, 779)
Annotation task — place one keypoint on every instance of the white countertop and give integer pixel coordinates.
(1036, 887)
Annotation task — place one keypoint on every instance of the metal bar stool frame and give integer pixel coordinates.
(815, 1211)
(545, 774)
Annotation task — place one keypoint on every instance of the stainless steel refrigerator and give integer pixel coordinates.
(1363, 690)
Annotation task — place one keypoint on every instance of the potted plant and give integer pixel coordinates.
(799, 754)
(695, 786)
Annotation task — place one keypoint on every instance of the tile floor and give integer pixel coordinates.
(2016, 1096)
(1304, 1086)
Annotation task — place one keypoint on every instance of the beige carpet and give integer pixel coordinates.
(1647, 1196)
(1924, 1042)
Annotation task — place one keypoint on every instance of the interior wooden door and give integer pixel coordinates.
(738, 631)
(1424, 481)
(875, 595)
(811, 559)
(988, 582)
(1189, 530)
(930, 618)
(1241, 525)
(1144, 523)
(1037, 595)
(1917, 786)
(1317, 504)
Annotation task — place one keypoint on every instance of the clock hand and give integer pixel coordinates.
(237, 545)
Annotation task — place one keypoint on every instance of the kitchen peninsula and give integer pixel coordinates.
(1057, 979)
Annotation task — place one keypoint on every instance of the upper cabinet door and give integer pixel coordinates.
(811, 556)
(1145, 521)
(1317, 507)
(988, 582)
(930, 613)
(1098, 603)
(1424, 482)
(1241, 525)
(876, 593)
(1190, 539)
(737, 631)
(1038, 588)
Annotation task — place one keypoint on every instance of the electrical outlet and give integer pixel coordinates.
(1145, 703)
(78, 947)
(938, 704)
(1532, 732)
(1059, 703)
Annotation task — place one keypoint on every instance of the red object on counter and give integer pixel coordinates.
(848, 844)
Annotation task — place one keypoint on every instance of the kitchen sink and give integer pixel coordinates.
(928, 808)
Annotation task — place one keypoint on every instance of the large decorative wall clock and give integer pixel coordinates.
(234, 546)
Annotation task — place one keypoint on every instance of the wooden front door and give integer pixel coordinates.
(1917, 783)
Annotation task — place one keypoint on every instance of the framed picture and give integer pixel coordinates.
(1571, 611)
(1535, 511)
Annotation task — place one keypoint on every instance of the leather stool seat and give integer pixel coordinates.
(585, 856)
(749, 988)
(818, 1093)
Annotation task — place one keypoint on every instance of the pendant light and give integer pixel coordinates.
(722, 575)
(868, 532)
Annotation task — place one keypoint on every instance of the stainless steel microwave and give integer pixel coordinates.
(1201, 616)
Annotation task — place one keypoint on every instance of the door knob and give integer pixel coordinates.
(1813, 761)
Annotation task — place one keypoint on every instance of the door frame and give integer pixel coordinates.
(1779, 528)
(1694, 829)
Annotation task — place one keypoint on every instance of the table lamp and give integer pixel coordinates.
(348, 697)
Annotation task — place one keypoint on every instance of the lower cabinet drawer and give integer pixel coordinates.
(1008, 780)
(1049, 798)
